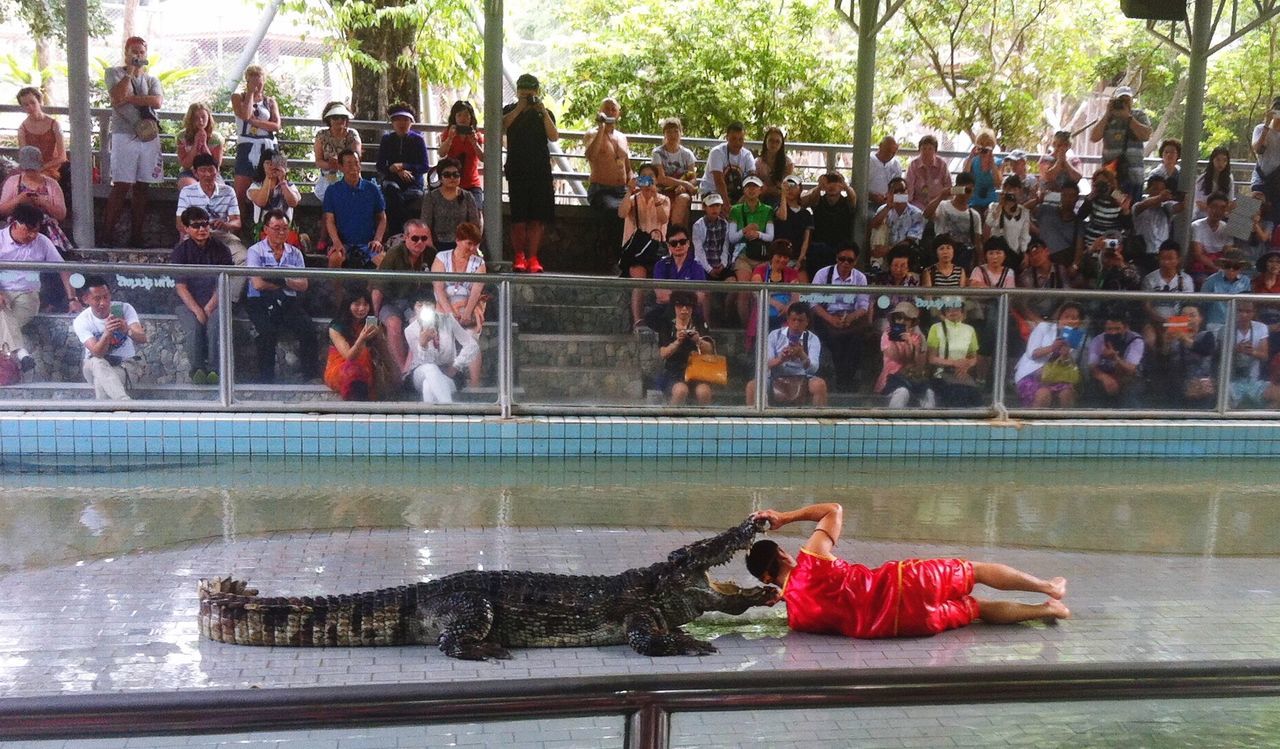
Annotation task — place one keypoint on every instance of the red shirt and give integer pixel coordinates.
(827, 595)
(470, 157)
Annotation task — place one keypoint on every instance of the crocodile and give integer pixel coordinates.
(478, 614)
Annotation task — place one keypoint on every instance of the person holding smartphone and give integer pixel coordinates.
(360, 366)
(462, 140)
(109, 332)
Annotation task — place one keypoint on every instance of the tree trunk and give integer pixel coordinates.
(373, 91)
(130, 10)
(44, 68)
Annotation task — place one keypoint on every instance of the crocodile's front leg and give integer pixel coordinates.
(465, 623)
(648, 634)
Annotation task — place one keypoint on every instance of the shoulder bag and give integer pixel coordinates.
(712, 368)
(642, 248)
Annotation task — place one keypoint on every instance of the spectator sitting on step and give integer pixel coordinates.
(678, 265)
(843, 320)
(680, 337)
(198, 312)
(330, 142)
(33, 187)
(273, 303)
(711, 246)
(1191, 353)
(645, 213)
(1058, 344)
(899, 219)
(355, 217)
(1230, 279)
(953, 353)
(777, 271)
(793, 222)
(1249, 385)
(464, 301)
(439, 349)
(393, 301)
(402, 162)
(109, 332)
(750, 234)
(218, 199)
(677, 167)
(1210, 237)
(1116, 361)
(271, 189)
(360, 365)
(444, 209)
(794, 353)
(833, 203)
(728, 164)
(198, 136)
(904, 373)
(22, 242)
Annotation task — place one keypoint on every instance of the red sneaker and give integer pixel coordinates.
(534, 265)
(519, 265)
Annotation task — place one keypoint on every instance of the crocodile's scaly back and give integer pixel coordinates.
(232, 612)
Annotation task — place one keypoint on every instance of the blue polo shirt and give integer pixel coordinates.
(691, 271)
(355, 209)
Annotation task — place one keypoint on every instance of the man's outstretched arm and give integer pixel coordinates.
(829, 516)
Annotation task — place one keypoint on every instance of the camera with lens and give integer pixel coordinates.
(139, 61)
(1117, 104)
(605, 119)
(535, 100)
(1111, 244)
(462, 129)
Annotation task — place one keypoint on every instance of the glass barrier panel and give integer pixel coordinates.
(585, 732)
(291, 347)
(156, 349)
(1239, 722)
(1254, 369)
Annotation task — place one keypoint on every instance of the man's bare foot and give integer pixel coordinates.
(1056, 609)
(1057, 588)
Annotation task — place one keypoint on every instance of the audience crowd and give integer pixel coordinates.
(994, 223)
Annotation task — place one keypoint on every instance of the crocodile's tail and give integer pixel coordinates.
(232, 612)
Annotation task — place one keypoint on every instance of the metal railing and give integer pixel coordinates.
(508, 401)
(810, 159)
(645, 701)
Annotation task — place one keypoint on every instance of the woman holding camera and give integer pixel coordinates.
(360, 365)
(463, 141)
(677, 341)
(986, 172)
(903, 373)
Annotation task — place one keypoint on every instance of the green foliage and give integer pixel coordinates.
(1242, 84)
(47, 19)
(709, 62)
(14, 72)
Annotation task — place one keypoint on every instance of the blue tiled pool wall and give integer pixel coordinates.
(141, 435)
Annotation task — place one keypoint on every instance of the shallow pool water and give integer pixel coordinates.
(58, 512)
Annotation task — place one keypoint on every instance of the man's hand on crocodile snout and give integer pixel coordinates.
(773, 518)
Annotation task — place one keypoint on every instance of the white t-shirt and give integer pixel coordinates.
(89, 326)
(1016, 230)
(674, 165)
(720, 159)
(879, 173)
(1247, 366)
(1153, 281)
(1269, 159)
(948, 219)
(1153, 225)
(1210, 239)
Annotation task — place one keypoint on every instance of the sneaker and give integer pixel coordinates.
(27, 363)
(198, 376)
(211, 378)
(519, 265)
(534, 265)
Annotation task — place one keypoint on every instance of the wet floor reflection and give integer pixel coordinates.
(54, 513)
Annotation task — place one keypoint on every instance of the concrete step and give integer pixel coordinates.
(580, 384)
(622, 351)
(577, 319)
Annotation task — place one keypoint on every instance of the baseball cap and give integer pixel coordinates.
(791, 179)
(906, 309)
(1122, 91)
(753, 180)
(1016, 154)
(712, 198)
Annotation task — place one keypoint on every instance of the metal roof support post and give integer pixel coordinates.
(1193, 125)
(251, 45)
(867, 27)
(493, 10)
(81, 122)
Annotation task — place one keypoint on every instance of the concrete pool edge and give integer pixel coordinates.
(378, 436)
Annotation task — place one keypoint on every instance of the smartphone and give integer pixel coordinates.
(117, 309)
(1118, 195)
(462, 129)
(957, 190)
(900, 198)
(1053, 198)
(370, 320)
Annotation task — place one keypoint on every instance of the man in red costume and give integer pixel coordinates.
(913, 597)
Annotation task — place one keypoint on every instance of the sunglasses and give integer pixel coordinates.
(418, 237)
(846, 259)
(677, 242)
(450, 175)
(198, 225)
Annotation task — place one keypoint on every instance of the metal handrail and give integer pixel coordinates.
(507, 405)
(645, 700)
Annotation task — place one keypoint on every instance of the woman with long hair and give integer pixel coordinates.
(360, 366)
(197, 137)
(462, 140)
(773, 164)
(257, 122)
(1216, 178)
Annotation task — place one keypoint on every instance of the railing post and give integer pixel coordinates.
(1226, 360)
(1000, 365)
(506, 357)
(648, 728)
(81, 120)
(762, 349)
(226, 359)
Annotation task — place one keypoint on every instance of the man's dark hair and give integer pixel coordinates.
(964, 178)
(344, 153)
(736, 127)
(1153, 179)
(1012, 182)
(762, 559)
(834, 177)
(1217, 196)
(851, 246)
(203, 159)
(1177, 144)
(798, 308)
(93, 282)
(274, 213)
(1170, 244)
(28, 215)
(897, 181)
(677, 229)
(194, 213)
